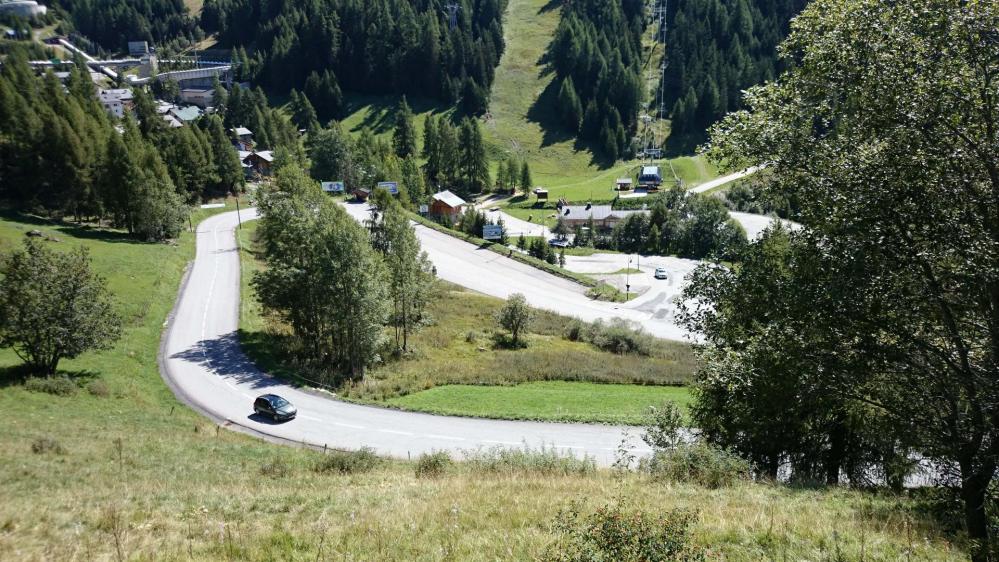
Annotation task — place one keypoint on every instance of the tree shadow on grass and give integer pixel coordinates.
(549, 6)
(17, 375)
(503, 340)
(683, 144)
(14, 375)
(380, 117)
(71, 229)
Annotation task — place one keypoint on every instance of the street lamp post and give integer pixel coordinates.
(627, 280)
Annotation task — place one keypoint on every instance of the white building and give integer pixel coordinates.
(23, 8)
(117, 101)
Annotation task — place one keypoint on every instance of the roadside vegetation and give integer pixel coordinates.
(116, 468)
(867, 338)
(461, 343)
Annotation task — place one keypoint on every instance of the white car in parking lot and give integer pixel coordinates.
(661, 273)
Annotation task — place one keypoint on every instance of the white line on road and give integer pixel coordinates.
(394, 432)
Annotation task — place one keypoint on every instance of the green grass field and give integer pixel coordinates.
(552, 401)
(136, 475)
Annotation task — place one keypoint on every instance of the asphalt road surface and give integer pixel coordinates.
(489, 273)
(203, 364)
(658, 298)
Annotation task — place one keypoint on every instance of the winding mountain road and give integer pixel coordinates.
(490, 273)
(203, 364)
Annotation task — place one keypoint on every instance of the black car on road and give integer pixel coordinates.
(274, 407)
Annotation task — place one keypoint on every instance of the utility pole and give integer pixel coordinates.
(239, 219)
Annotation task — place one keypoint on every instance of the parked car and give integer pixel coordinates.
(558, 243)
(661, 273)
(274, 407)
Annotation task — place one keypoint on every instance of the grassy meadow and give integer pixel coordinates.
(122, 471)
(624, 404)
(459, 364)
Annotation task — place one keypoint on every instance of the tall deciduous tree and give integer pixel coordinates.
(889, 142)
(410, 276)
(53, 307)
(323, 278)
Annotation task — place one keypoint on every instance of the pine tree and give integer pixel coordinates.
(431, 148)
(228, 168)
(513, 170)
(608, 141)
(404, 135)
(474, 100)
(502, 179)
(590, 128)
(447, 143)
(473, 168)
(219, 95)
(569, 105)
(526, 182)
(302, 112)
(413, 180)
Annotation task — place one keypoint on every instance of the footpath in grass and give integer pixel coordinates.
(548, 401)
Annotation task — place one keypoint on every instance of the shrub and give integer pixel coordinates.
(59, 386)
(44, 445)
(433, 465)
(348, 462)
(99, 388)
(515, 316)
(276, 468)
(543, 461)
(664, 428)
(618, 336)
(613, 534)
(697, 463)
(575, 330)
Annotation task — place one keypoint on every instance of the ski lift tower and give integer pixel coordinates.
(452, 13)
(653, 136)
(659, 13)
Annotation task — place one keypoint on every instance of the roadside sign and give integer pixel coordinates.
(391, 186)
(333, 186)
(424, 209)
(492, 231)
